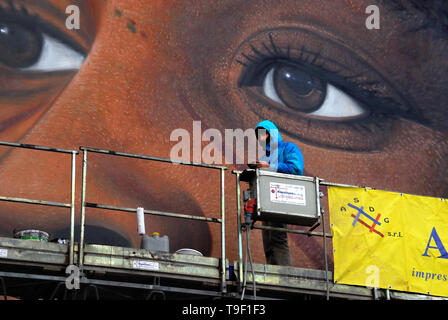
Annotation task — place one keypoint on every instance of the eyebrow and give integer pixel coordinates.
(434, 13)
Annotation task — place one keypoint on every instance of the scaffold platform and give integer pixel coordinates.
(34, 270)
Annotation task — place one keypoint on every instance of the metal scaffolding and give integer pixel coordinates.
(70, 205)
(85, 204)
(40, 270)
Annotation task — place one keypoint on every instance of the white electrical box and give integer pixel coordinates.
(284, 198)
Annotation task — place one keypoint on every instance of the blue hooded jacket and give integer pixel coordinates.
(290, 158)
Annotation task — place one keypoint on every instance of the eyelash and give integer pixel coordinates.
(257, 63)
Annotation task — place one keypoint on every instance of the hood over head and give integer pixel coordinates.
(270, 126)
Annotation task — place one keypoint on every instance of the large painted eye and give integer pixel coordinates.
(32, 50)
(300, 91)
(19, 46)
(320, 91)
(56, 55)
(39, 57)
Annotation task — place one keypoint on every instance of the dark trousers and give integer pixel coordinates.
(275, 244)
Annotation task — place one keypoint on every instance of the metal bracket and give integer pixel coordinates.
(53, 294)
(152, 293)
(86, 292)
(314, 227)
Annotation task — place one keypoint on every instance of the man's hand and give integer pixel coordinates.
(258, 164)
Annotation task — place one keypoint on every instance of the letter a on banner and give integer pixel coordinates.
(439, 245)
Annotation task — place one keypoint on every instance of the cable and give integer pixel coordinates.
(245, 273)
(251, 265)
(248, 211)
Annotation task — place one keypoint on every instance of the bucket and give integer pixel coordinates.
(155, 243)
(35, 235)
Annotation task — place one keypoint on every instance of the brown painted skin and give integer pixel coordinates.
(154, 66)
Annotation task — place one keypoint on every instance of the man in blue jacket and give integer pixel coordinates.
(283, 157)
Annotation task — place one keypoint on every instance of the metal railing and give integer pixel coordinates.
(70, 205)
(221, 220)
(85, 204)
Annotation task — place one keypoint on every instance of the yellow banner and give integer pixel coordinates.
(389, 240)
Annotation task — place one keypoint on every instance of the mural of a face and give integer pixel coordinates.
(366, 107)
